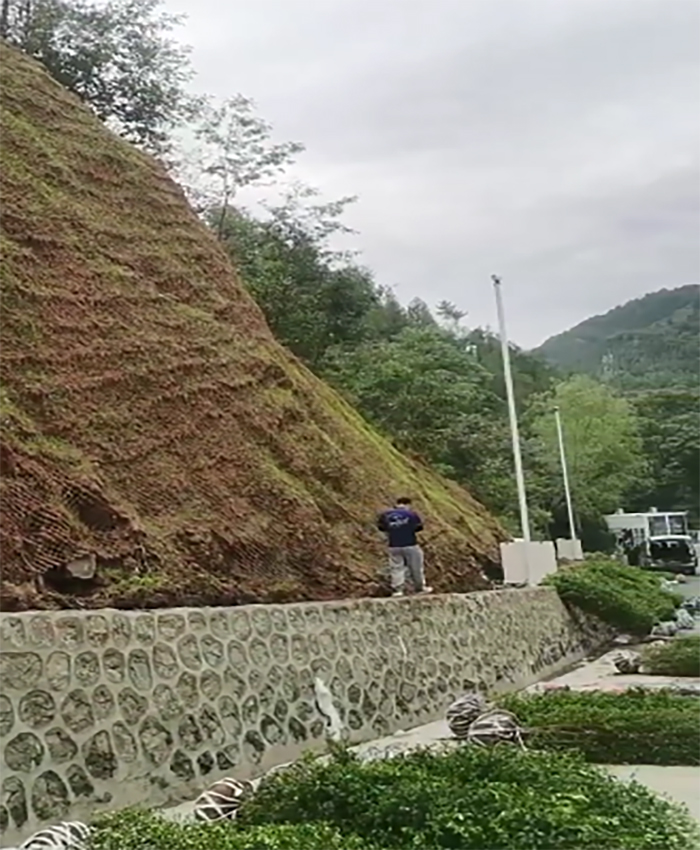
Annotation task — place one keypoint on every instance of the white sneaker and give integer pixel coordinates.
(426, 589)
(397, 593)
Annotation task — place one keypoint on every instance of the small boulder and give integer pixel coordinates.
(83, 567)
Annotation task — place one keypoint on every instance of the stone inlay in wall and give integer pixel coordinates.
(116, 708)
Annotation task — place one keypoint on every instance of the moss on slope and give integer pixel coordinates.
(148, 415)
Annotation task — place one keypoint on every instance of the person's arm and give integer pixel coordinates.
(417, 523)
(381, 523)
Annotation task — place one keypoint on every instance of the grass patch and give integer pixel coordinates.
(134, 830)
(678, 657)
(20, 428)
(468, 799)
(626, 598)
(502, 799)
(126, 584)
(634, 727)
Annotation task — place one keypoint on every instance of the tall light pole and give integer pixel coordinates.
(515, 434)
(565, 473)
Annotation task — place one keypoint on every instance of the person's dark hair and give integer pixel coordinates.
(403, 500)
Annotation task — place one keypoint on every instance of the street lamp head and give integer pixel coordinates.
(496, 279)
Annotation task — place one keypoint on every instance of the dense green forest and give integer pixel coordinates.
(436, 387)
(648, 350)
(626, 383)
(650, 342)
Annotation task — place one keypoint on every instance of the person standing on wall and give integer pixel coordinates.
(401, 524)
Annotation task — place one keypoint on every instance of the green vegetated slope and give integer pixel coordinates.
(150, 419)
(646, 343)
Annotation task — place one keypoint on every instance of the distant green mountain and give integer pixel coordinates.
(651, 342)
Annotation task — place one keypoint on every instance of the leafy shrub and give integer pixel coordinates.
(633, 727)
(138, 830)
(474, 798)
(678, 657)
(627, 598)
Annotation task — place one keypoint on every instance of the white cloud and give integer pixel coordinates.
(552, 141)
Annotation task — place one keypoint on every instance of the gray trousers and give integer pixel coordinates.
(406, 560)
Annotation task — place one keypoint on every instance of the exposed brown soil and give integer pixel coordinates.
(150, 419)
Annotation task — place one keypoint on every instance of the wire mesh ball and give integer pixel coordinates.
(383, 752)
(684, 620)
(464, 711)
(277, 769)
(69, 835)
(222, 800)
(665, 629)
(495, 727)
(692, 603)
(627, 662)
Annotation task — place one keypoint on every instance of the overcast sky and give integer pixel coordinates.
(554, 142)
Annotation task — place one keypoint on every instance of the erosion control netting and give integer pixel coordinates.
(151, 425)
(53, 519)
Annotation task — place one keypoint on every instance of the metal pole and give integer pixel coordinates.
(565, 474)
(515, 434)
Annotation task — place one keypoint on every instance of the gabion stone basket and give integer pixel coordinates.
(463, 712)
(494, 727)
(69, 835)
(627, 662)
(222, 800)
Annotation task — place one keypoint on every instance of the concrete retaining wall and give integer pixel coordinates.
(105, 709)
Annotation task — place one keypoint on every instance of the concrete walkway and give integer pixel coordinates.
(601, 675)
(679, 783)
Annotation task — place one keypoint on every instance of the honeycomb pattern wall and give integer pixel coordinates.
(105, 709)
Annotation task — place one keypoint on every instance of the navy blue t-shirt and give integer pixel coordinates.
(401, 526)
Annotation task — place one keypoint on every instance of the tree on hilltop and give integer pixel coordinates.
(118, 57)
(235, 150)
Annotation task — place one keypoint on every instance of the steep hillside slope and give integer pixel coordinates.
(150, 422)
(649, 342)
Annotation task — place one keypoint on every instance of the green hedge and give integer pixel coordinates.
(677, 657)
(634, 727)
(136, 830)
(474, 798)
(627, 598)
(471, 798)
